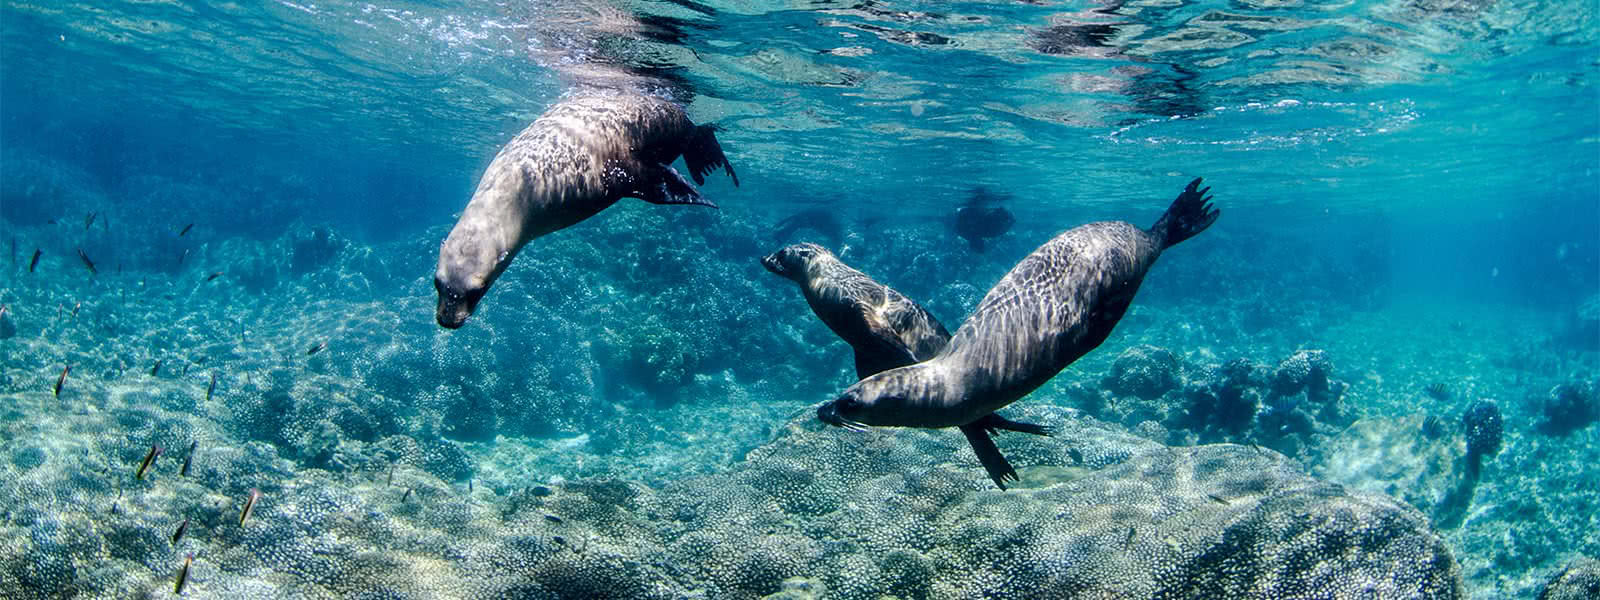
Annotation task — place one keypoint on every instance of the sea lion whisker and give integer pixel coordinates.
(854, 426)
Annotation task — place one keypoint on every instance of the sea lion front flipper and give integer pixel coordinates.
(994, 422)
(702, 154)
(889, 350)
(663, 185)
(999, 469)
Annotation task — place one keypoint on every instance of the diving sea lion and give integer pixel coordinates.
(885, 328)
(582, 155)
(1056, 305)
(977, 220)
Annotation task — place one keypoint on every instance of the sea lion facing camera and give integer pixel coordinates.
(885, 328)
(1057, 304)
(581, 156)
(980, 219)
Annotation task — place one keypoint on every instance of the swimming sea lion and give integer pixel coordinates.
(977, 220)
(582, 155)
(885, 328)
(1056, 305)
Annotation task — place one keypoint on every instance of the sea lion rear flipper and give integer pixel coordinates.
(999, 469)
(995, 422)
(702, 154)
(664, 185)
(1190, 214)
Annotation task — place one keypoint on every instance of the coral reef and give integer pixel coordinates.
(1579, 580)
(1485, 431)
(885, 513)
(1145, 371)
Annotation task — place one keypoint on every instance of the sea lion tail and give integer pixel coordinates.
(1190, 214)
(703, 155)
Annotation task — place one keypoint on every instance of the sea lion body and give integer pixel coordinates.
(979, 219)
(580, 157)
(1057, 304)
(884, 327)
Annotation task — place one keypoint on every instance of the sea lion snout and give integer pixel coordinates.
(773, 264)
(455, 305)
(838, 412)
(790, 261)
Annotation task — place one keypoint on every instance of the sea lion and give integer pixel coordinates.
(885, 328)
(1057, 304)
(977, 220)
(581, 156)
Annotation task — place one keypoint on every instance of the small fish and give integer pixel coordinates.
(149, 459)
(391, 475)
(89, 220)
(1077, 457)
(1218, 499)
(183, 575)
(62, 379)
(213, 275)
(188, 460)
(316, 348)
(113, 507)
(75, 307)
(1439, 392)
(89, 264)
(553, 519)
(469, 486)
(407, 495)
(156, 369)
(3, 310)
(212, 387)
(183, 256)
(1129, 541)
(186, 229)
(249, 505)
(35, 261)
(178, 535)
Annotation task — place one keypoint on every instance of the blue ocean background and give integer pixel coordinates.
(1411, 207)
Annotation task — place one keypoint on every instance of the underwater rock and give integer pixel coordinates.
(1569, 407)
(1579, 580)
(1144, 371)
(313, 251)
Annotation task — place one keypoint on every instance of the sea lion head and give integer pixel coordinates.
(467, 267)
(794, 260)
(910, 396)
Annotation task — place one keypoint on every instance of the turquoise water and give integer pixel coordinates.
(1410, 197)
